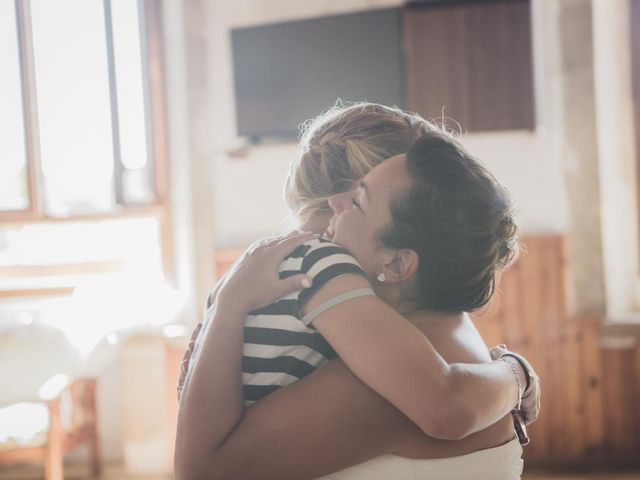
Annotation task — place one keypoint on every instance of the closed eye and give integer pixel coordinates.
(355, 203)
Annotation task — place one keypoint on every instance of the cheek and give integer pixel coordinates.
(359, 238)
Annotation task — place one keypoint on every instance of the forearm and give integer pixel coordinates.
(393, 358)
(320, 424)
(483, 393)
(212, 400)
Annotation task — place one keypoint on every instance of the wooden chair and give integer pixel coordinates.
(71, 407)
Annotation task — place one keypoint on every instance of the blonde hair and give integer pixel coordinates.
(341, 145)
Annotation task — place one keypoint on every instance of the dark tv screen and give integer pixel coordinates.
(286, 73)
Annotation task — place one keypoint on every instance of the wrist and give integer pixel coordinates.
(230, 312)
(518, 372)
(524, 369)
(229, 300)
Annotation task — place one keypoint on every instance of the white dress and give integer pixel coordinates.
(498, 463)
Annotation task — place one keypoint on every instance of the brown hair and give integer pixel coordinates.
(458, 219)
(340, 146)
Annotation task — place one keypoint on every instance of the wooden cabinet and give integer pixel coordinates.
(470, 61)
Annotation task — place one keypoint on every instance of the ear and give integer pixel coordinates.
(402, 267)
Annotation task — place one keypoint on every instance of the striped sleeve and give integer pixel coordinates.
(323, 262)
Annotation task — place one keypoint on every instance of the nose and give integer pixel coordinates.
(339, 201)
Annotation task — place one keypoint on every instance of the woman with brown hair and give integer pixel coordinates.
(428, 232)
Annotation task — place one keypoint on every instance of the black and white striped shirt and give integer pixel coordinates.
(278, 347)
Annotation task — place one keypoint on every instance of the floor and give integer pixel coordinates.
(75, 472)
(116, 472)
(582, 476)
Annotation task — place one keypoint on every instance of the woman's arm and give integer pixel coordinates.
(320, 424)
(392, 357)
(323, 423)
(211, 401)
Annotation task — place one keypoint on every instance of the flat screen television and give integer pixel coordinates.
(286, 73)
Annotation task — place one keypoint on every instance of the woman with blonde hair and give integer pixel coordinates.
(428, 230)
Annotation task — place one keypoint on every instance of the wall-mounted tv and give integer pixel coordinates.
(286, 73)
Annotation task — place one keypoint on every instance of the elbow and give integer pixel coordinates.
(452, 417)
(448, 424)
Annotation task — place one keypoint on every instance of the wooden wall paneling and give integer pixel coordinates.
(543, 311)
(619, 409)
(569, 381)
(592, 386)
(436, 70)
(614, 404)
(634, 382)
(628, 380)
(515, 317)
(473, 59)
(499, 57)
(530, 298)
(532, 304)
(568, 368)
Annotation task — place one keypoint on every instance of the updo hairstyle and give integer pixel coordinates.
(459, 220)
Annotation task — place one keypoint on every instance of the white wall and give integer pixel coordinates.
(248, 190)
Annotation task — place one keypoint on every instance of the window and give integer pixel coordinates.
(83, 185)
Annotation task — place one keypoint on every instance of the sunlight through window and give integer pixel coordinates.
(13, 181)
(129, 73)
(72, 83)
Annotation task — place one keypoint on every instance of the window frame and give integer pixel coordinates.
(157, 132)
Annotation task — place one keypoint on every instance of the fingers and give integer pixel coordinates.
(278, 248)
(266, 243)
(497, 351)
(289, 243)
(293, 284)
(531, 402)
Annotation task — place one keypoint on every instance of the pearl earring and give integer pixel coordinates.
(382, 277)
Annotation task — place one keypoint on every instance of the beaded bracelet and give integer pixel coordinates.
(529, 374)
(515, 372)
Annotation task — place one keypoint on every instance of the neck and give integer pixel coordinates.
(394, 296)
(317, 223)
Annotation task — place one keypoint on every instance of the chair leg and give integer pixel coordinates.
(94, 442)
(53, 465)
(94, 447)
(54, 456)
